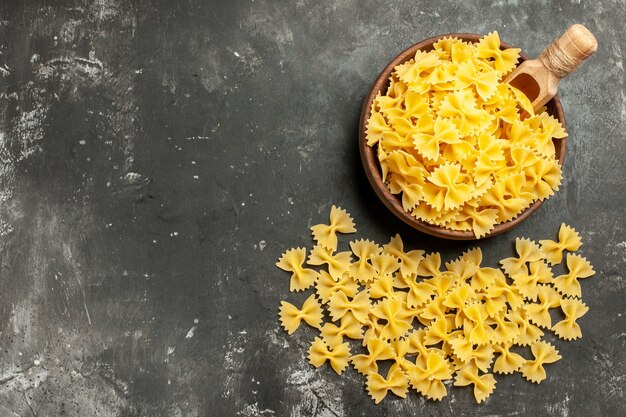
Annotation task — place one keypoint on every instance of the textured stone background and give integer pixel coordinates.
(156, 157)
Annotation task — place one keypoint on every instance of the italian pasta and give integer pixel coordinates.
(406, 321)
(452, 137)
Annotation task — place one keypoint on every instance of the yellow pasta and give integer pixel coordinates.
(291, 261)
(483, 384)
(538, 313)
(359, 306)
(349, 327)
(408, 260)
(464, 150)
(544, 353)
(362, 270)
(396, 382)
(326, 235)
(569, 240)
(462, 321)
(338, 263)
(527, 251)
(568, 329)
(428, 379)
(326, 286)
(379, 349)
(291, 316)
(578, 268)
(507, 361)
(337, 356)
(398, 322)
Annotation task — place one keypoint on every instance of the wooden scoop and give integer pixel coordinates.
(539, 78)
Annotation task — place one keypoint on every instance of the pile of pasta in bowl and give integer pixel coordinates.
(463, 149)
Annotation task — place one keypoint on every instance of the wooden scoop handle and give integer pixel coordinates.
(565, 54)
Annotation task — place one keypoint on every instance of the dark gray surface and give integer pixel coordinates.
(157, 157)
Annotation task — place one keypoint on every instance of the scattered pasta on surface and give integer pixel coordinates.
(465, 150)
(407, 321)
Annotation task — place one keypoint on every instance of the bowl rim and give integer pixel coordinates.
(371, 164)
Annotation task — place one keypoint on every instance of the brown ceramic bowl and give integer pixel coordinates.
(372, 165)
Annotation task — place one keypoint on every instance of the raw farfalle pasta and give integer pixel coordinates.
(326, 234)
(465, 150)
(291, 261)
(568, 329)
(396, 382)
(337, 356)
(407, 321)
(569, 240)
(291, 316)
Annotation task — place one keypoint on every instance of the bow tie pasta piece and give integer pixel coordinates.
(483, 384)
(464, 269)
(527, 251)
(462, 348)
(376, 126)
(291, 316)
(578, 268)
(362, 270)
(429, 144)
(482, 357)
(447, 187)
(411, 193)
(292, 261)
(411, 71)
(544, 353)
(461, 106)
(528, 333)
(396, 382)
(457, 299)
(443, 47)
(417, 346)
(326, 286)
(418, 293)
(438, 331)
(443, 282)
(568, 329)
(326, 235)
(349, 327)
(338, 263)
(403, 165)
(382, 288)
(543, 178)
(359, 306)
(397, 316)
(430, 266)
(507, 362)
(480, 332)
(569, 240)
(408, 260)
(378, 350)
(484, 83)
(483, 278)
(505, 330)
(538, 312)
(428, 379)
(503, 61)
(473, 255)
(401, 349)
(527, 283)
(384, 264)
(338, 356)
(481, 221)
(507, 206)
